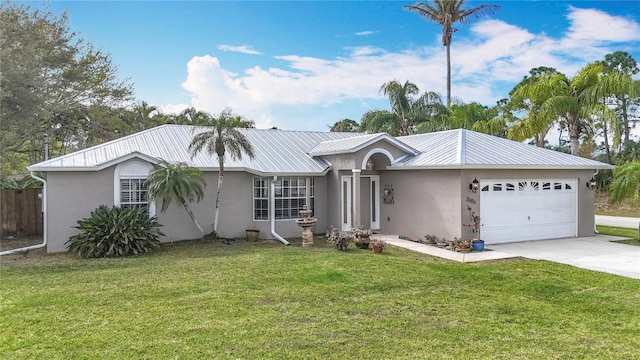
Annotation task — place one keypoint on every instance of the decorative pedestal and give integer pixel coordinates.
(306, 223)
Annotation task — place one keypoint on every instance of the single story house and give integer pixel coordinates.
(411, 185)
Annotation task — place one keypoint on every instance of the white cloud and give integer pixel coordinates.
(596, 25)
(241, 49)
(173, 108)
(365, 33)
(485, 67)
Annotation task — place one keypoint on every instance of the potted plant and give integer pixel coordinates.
(475, 225)
(361, 237)
(252, 234)
(377, 245)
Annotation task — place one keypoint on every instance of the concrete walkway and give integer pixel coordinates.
(597, 253)
(619, 221)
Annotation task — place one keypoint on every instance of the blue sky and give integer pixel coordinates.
(305, 65)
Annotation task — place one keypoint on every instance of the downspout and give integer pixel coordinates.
(272, 212)
(44, 221)
(595, 229)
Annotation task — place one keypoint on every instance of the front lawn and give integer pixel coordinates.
(246, 300)
(630, 234)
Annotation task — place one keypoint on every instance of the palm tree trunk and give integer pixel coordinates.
(448, 76)
(220, 179)
(625, 121)
(606, 141)
(192, 216)
(573, 125)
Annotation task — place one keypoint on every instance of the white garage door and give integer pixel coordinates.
(518, 210)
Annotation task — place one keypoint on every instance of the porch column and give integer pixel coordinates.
(355, 203)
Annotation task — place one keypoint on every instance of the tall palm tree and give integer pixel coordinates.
(406, 110)
(446, 13)
(183, 183)
(220, 139)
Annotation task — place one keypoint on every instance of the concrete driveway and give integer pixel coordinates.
(595, 253)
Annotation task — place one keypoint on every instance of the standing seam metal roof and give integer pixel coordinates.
(292, 152)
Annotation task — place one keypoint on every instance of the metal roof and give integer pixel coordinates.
(276, 151)
(462, 148)
(300, 152)
(354, 144)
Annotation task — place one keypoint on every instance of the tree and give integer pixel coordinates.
(191, 116)
(406, 110)
(446, 13)
(577, 101)
(220, 139)
(345, 125)
(49, 74)
(533, 124)
(626, 184)
(183, 183)
(626, 105)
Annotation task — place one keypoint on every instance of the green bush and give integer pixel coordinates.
(115, 231)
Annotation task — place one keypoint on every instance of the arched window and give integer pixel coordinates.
(130, 189)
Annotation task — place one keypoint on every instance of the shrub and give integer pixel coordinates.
(115, 231)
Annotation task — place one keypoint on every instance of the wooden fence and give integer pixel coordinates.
(21, 212)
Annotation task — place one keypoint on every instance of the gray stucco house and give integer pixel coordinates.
(412, 186)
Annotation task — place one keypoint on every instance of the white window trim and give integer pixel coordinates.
(133, 169)
(308, 197)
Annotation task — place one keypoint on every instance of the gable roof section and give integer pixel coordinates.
(462, 148)
(277, 151)
(356, 143)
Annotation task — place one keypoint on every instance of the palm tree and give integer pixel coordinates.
(446, 13)
(407, 111)
(180, 182)
(220, 139)
(626, 184)
(533, 125)
(577, 101)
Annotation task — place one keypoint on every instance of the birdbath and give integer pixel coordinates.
(306, 223)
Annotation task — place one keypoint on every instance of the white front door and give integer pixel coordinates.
(370, 201)
(525, 209)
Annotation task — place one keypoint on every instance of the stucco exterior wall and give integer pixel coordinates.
(72, 196)
(425, 202)
(236, 211)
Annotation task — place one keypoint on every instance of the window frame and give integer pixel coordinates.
(138, 171)
(284, 191)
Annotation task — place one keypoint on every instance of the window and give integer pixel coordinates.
(133, 193)
(130, 189)
(260, 199)
(291, 194)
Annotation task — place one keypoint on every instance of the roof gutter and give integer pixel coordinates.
(44, 221)
(272, 212)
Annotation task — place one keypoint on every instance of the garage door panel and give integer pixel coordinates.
(528, 210)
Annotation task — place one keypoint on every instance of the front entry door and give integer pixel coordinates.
(369, 207)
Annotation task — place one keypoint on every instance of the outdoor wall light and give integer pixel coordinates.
(591, 184)
(370, 164)
(474, 185)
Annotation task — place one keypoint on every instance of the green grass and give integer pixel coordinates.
(630, 234)
(205, 299)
